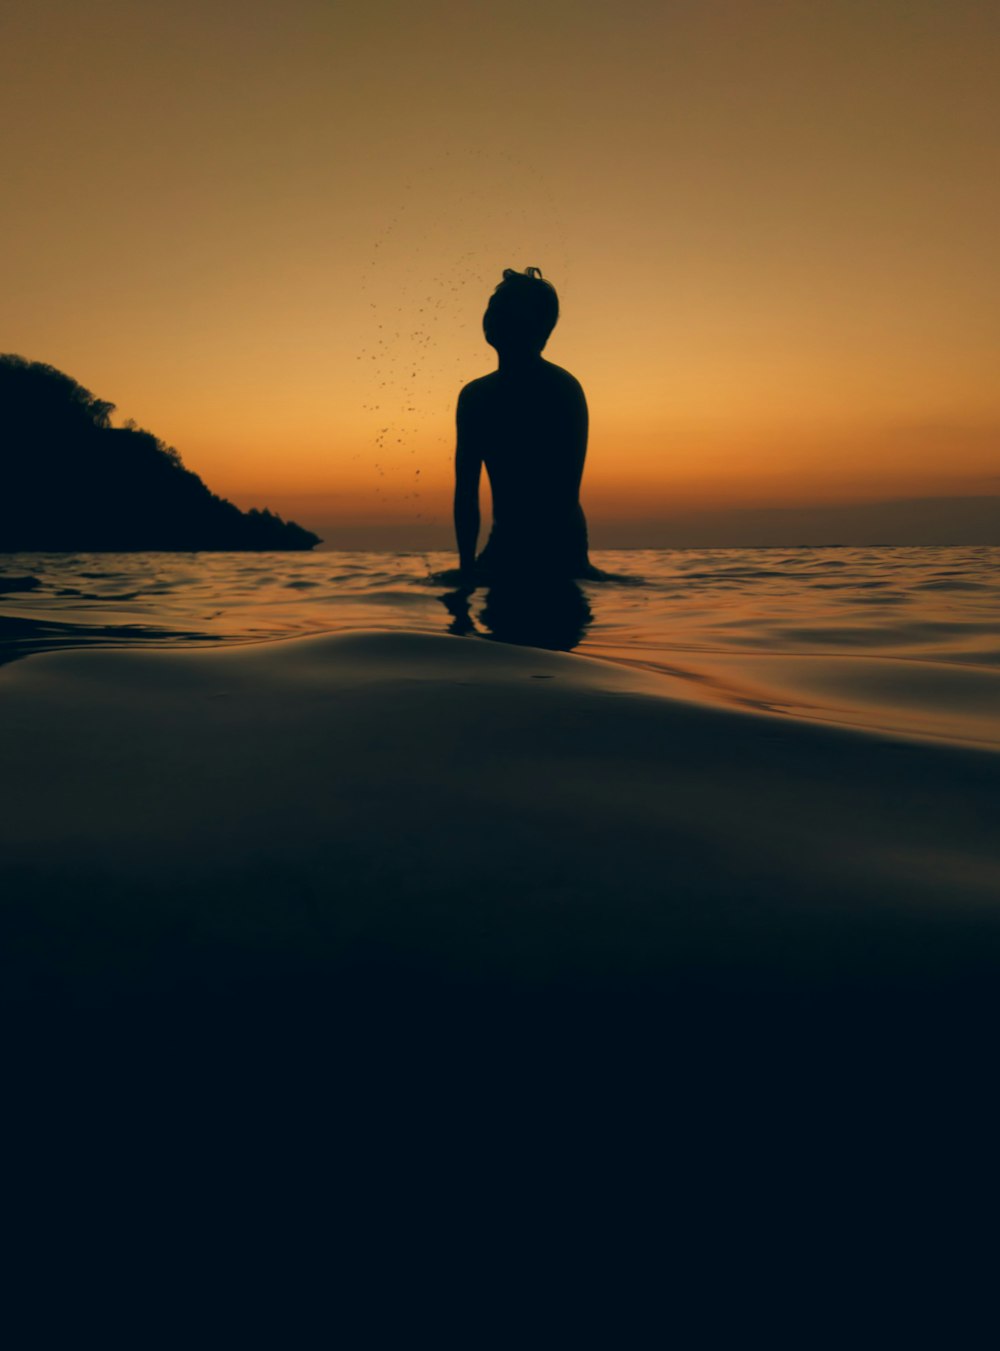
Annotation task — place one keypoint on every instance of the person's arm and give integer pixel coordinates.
(468, 467)
(577, 429)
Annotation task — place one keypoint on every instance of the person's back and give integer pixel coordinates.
(527, 423)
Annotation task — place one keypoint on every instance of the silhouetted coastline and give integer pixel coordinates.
(72, 482)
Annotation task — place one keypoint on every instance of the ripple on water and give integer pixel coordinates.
(836, 610)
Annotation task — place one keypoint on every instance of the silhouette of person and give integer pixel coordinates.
(527, 423)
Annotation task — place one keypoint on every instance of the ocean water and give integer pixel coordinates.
(900, 640)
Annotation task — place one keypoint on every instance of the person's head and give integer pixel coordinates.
(522, 312)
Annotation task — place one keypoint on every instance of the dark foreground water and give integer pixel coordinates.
(398, 956)
(904, 640)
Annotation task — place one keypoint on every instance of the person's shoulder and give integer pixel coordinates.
(476, 399)
(561, 377)
(477, 389)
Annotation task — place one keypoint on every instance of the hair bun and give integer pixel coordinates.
(529, 274)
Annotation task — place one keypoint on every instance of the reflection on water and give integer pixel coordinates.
(899, 639)
(552, 615)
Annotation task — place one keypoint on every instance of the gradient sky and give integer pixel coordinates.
(267, 231)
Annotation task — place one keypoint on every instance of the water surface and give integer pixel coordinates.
(905, 640)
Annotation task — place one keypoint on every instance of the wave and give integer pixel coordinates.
(755, 627)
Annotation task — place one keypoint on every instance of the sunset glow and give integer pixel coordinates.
(268, 234)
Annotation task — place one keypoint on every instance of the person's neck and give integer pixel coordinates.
(515, 362)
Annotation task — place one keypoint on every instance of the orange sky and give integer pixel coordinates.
(267, 232)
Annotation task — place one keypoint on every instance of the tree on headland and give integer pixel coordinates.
(69, 481)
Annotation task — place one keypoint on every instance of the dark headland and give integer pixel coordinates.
(71, 481)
